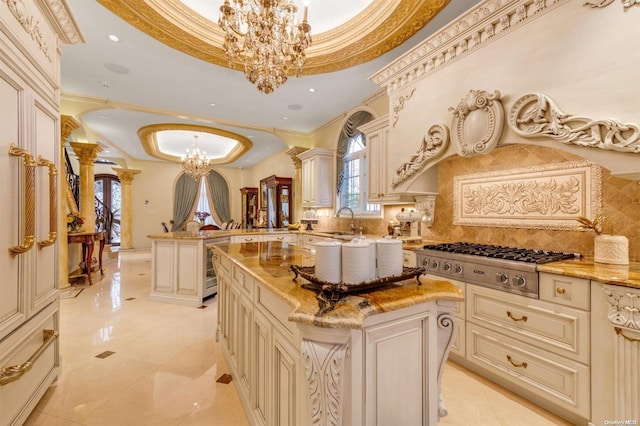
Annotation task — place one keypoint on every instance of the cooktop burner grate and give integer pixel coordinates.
(502, 252)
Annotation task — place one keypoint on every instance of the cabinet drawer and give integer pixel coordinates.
(409, 259)
(568, 291)
(246, 238)
(18, 398)
(312, 240)
(563, 382)
(559, 329)
(286, 238)
(243, 280)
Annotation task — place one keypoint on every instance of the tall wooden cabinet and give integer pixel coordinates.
(249, 208)
(31, 34)
(317, 177)
(277, 199)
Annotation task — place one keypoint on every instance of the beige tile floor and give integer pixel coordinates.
(165, 364)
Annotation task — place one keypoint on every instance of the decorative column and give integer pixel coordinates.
(297, 181)
(67, 125)
(126, 177)
(87, 153)
(624, 315)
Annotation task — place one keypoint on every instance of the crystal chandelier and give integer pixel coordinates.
(195, 164)
(267, 38)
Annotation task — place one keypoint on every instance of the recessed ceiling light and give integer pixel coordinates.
(285, 118)
(105, 84)
(114, 37)
(212, 104)
(312, 90)
(295, 107)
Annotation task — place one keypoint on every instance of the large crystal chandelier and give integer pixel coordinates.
(267, 38)
(194, 163)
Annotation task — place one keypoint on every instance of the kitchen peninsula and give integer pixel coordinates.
(375, 358)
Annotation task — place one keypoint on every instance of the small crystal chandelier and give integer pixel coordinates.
(267, 38)
(195, 164)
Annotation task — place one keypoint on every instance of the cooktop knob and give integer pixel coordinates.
(457, 269)
(502, 278)
(519, 281)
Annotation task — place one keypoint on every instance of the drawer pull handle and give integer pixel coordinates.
(13, 373)
(523, 364)
(280, 238)
(522, 318)
(619, 332)
(560, 290)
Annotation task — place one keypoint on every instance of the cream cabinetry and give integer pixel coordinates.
(285, 238)
(182, 271)
(317, 177)
(31, 37)
(459, 342)
(538, 348)
(310, 241)
(246, 238)
(261, 347)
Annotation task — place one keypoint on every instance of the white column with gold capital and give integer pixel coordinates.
(67, 125)
(87, 153)
(126, 178)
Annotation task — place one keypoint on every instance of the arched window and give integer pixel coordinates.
(209, 194)
(352, 167)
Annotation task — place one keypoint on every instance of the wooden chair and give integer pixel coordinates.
(192, 226)
(165, 228)
(209, 228)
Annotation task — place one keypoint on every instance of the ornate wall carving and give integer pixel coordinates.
(536, 115)
(541, 197)
(603, 3)
(477, 123)
(400, 105)
(30, 24)
(434, 143)
(324, 369)
(624, 307)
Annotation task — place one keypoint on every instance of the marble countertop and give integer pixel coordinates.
(269, 262)
(623, 275)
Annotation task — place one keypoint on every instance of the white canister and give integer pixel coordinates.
(372, 255)
(329, 261)
(389, 257)
(613, 249)
(356, 263)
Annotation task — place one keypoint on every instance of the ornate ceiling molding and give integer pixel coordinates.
(381, 27)
(603, 3)
(536, 115)
(147, 135)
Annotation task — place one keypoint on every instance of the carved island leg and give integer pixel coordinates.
(446, 334)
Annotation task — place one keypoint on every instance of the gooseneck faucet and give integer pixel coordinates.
(353, 225)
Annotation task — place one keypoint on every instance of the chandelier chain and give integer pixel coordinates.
(266, 36)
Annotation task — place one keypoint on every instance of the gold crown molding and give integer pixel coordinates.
(357, 41)
(147, 135)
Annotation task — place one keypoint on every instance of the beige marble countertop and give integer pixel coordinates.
(269, 262)
(627, 275)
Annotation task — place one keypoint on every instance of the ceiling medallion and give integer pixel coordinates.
(266, 37)
(194, 164)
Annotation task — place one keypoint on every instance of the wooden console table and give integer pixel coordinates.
(88, 239)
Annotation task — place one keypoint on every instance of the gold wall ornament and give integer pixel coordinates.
(29, 201)
(267, 38)
(536, 115)
(477, 123)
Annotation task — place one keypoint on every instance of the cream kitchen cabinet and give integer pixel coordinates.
(317, 177)
(252, 238)
(31, 35)
(310, 241)
(537, 348)
(284, 237)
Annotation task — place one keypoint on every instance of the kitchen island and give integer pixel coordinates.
(375, 358)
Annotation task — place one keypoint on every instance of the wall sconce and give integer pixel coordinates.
(427, 205)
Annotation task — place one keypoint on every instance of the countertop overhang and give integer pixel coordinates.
(622, 275)
(269, 262)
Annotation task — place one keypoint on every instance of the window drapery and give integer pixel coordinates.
(185, 195)
(218, 191)
(349, 130)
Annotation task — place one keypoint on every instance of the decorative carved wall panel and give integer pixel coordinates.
(536, 115)
(541, 197)
(477, 123)
(434, 143)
